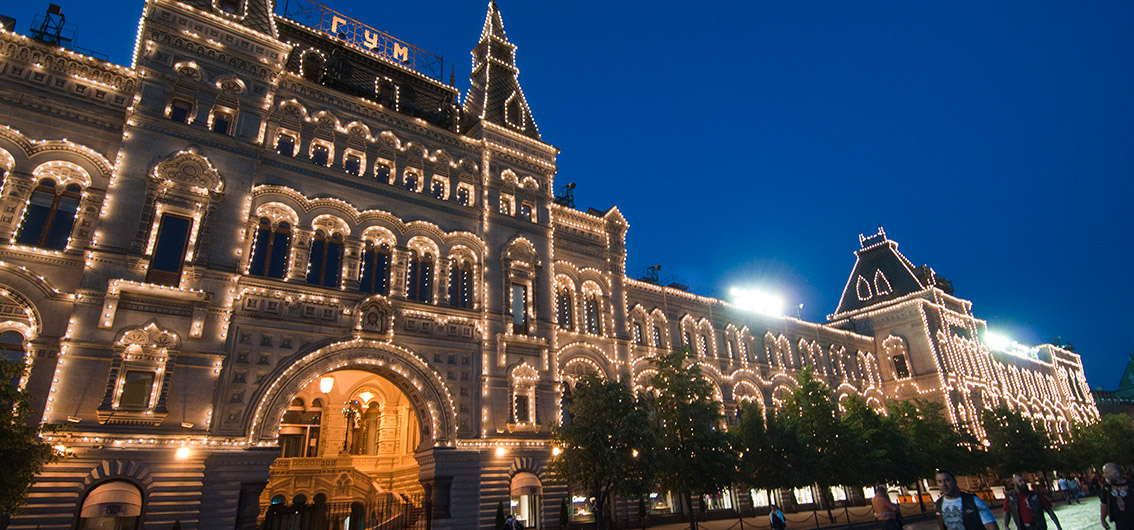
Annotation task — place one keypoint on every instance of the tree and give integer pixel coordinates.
(772, 454)
(810, 409)
(695, 457)
(1015, 444)
(877, 450)
(1111, 439)
(932, 442)
(23, 452)
(608, 444)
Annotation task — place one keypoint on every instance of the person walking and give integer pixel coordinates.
(777, 519)
(1026, 507)
(885, 512)
(960, 510)
(1115, 500)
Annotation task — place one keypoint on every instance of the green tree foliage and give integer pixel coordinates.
(1111, 439)
(695, 457)
(932, 441)
(22, 452)
(772, 453)
(608, 444)
(1015, 444)
(874, 449)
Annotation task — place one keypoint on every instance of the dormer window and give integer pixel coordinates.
(231, 7)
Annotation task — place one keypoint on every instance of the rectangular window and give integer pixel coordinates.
(637, 333)
(319, 154)
(169, 250)
(382, 172)
(179, 110)
(526, 211)
(519, 309)
(352, 164)
(222, 122)
(463, 196)
(285, 145)
(657, 337)
(136, 390)
(523, 409)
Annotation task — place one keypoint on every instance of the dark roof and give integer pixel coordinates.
(494, 94)
(258, 14)
(880, 274)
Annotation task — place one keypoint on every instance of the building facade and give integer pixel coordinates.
(274, 263)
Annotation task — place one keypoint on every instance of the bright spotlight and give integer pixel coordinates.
(182, 453)
(499, 451)
(996, 341)
(555, 451)
(758, 301)
(326, 384)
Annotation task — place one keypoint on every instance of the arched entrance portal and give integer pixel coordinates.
(348, 436)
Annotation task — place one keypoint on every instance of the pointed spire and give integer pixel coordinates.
(495, 95)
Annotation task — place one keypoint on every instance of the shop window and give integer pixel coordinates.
(565, 304)
(324, 267)
(419, 285)
(285, 145)
(270, 249)
(519, 308)
(49, 216)
(169, 250)
(137, 387)
(460, 285)
(179, 110)
(375, 277)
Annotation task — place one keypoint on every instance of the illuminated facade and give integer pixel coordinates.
(266, 264)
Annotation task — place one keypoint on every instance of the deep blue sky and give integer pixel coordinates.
(751, 142)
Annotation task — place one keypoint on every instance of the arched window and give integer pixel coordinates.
(270, 250)
(702, 344)
(460, 285)
(565, 305)
(116, 504)
(419, 280)
(592, 311)
(49, 216)
(325, 266)
(638, 333)
(312, 67)
(657, 337)
(375, 277)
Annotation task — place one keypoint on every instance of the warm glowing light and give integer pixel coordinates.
(326, 384)
(182, 453)
(555, 451)
(365, 396)
(996, 341)
(758, 301)
(634, 453)
(499, 451)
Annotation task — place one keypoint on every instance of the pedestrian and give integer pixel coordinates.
(512, 523)
(1026, 507)
(888, 515)
(1115, 499)
(1076, 489)
(1065, 487)
(777, 518)
(960, 510)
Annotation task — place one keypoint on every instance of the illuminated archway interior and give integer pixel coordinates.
(348, 436)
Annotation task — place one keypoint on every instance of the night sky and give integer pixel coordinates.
(749, 143)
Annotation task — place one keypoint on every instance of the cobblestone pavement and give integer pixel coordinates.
(1082, 516)
(1071, 517)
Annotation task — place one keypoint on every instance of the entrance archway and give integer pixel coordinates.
(526, 495)
(114, 505)
(350, 420)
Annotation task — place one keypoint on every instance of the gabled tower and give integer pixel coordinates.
(495, 95)
(880, 274)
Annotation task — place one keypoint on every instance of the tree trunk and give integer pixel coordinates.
(692, 514)
(600, 512)
(920, 499)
